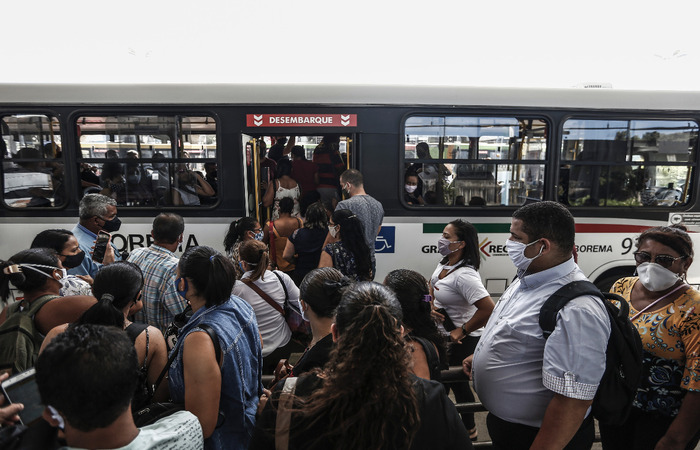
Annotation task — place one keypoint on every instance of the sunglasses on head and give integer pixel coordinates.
(662, 260)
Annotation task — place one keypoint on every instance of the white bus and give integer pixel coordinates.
(621, 161)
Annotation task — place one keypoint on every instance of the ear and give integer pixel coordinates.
(154, 238)
(403, 331)
(304, 305)
(334, 332)
(688, 261)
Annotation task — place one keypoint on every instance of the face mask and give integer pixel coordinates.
(516, 252)
(57, 417)
(259, 235)
(444, 246)
(410, 188)
(112, 225)
(240, 264)
(177, 287)
(72, 261)
(33, 267)
(655, 277)
(346, 188)
(333, 231)
(158, 166)
(301, 310)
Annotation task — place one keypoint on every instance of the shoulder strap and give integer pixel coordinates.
(298, 222)
(263, 295)
(284, 413)
(431, 355)
(36, 305)
(284, 287)
(271, 237)
(135, 329)
(217, 351)
(566, 293)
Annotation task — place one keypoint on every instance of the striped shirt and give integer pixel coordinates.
(161, 302)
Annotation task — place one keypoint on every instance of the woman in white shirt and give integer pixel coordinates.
(461, 304)
(255, 285)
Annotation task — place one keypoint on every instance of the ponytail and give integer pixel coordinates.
(103, 313)
(256, 255)
(211, 273)
(237, 230)
(27, 280)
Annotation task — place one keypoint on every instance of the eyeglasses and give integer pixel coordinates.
(662, 260)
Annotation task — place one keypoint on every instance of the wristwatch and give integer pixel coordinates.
(464, 330)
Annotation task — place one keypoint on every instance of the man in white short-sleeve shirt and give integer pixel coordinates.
(540, 391)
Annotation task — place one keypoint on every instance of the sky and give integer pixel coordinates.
(624, 44)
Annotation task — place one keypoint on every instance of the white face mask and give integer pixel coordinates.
(655, 277)
(516, 252)
(333, 231)
(33, 267)
(301, 310)
(410, 188)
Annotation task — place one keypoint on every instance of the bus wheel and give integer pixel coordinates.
(606, 280)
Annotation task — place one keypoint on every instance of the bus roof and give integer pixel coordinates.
(335, 94)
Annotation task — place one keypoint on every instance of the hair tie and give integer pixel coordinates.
(211, 258)
(332, 287)
(427, 298)
(107, 298)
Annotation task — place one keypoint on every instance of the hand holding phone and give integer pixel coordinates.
(101, 244)
(21, 390)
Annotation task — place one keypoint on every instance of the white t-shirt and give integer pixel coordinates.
(271, 324)
(179, 431)
(457, 293)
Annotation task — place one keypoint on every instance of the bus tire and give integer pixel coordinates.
(607, 279)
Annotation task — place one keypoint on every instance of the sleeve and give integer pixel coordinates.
(574, 354)
(470, 285)
(172, 301)
(690, 335)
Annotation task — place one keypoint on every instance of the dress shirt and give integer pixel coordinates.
(86, 241)
(516, 371)
(161, 302)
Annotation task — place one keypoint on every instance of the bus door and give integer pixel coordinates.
(259, 172)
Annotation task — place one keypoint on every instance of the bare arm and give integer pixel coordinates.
(55, 331)
(158, 358)
(484, 307)
(290, 143)
(684, 426)
(203, 187)
(269, 196)
(62, 310)
(289, 252)
(562, 419)
(326, 260)
(202, 380)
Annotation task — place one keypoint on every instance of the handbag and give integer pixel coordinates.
(173, 330)
(153, 412)
(300, 328)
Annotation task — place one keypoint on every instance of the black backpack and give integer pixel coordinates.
(623, 357)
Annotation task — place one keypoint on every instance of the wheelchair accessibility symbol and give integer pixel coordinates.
(385, 241)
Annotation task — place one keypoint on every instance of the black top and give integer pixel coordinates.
(316, 356)
(440, 424)
(308, 243)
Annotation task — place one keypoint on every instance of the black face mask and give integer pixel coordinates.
(73, 260)
(113, 225)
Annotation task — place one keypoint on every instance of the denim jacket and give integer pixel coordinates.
(241, 384)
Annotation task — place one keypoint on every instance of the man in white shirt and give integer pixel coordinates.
(87, 377)
(539, 392)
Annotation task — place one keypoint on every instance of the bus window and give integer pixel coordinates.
(627, 162)
(474, 161)
(33, 166)
(149, 160)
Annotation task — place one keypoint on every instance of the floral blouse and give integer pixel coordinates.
(671, 343)
(343, 259)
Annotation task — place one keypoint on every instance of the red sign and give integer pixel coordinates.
(301, 120)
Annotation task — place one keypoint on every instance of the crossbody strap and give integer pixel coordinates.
(284, 287)
(264, 296)
(217, 351)
(284, 414)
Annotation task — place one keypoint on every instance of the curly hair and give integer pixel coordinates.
(411, 288)
(366, 384)
(675, 237)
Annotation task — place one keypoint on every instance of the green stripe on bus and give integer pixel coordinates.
(480, 227)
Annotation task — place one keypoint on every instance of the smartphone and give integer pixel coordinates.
(98, 255)
(22, 388)
(447, 323)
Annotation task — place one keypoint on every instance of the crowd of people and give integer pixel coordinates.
(366, 373)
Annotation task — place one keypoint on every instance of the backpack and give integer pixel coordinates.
(623, 357)
(19, 338)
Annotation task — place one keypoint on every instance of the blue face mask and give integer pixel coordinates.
(177, 287)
